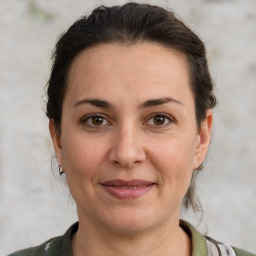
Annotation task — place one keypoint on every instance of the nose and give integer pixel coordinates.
(127, 149)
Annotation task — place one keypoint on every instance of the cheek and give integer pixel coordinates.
(174, 159)
(82, 157)
(82, 163)
(175, 151)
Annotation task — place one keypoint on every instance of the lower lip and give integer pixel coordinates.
(127, 193)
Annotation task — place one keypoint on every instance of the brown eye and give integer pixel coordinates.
(159, 120)
(97, 120)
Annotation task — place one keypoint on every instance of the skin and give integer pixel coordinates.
(132, 138)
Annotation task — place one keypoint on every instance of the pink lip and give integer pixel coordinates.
(127, 189)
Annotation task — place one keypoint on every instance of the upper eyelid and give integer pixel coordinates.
(109, 119)
(161, 114)
(93, 115)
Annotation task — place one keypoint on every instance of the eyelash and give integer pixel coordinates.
(88, 118)
(165, 117)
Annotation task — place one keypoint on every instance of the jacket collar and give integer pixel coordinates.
(199, 247)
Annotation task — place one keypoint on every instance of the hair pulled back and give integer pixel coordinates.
(129, 24)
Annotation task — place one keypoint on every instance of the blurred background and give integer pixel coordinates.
(35, 204)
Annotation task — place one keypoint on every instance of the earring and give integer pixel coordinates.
(200, 167)
(60, 170)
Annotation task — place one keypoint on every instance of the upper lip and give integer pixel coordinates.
(127, 183)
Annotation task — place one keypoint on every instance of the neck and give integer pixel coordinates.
(163, 240)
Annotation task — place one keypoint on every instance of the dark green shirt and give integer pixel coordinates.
(61, 245)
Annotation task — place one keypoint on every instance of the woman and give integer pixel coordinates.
(130, 103)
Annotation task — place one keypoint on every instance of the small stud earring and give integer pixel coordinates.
(60, 170)
(200, 167)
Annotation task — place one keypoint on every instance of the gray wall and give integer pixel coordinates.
(35, 204)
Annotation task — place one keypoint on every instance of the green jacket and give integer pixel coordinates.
(61, 246)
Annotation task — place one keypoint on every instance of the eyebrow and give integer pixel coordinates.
(94, 102)
(160, 101)
(105, 104)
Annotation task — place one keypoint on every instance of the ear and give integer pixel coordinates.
(204, 138)
(55, 134)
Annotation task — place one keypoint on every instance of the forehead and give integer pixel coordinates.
(143, 54)
(142, 67)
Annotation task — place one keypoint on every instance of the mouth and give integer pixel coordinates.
(127, 189)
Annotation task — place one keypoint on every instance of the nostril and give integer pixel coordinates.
(126, 164)
(126, 153)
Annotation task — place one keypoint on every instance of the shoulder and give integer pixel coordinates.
(217, 248)
(56, 246)
(240, 252)
(47, 248)
(206, 246)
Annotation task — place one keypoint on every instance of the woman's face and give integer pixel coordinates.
(129, 140)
